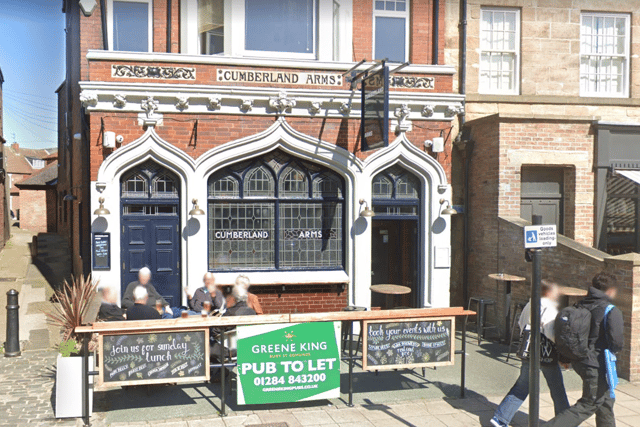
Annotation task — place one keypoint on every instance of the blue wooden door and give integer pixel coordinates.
(153, 242)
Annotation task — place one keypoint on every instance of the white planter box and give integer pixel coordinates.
(69, 387)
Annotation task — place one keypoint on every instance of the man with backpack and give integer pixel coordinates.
(589, 334)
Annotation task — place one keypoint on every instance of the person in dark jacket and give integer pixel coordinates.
(209, 293)
(140, 310)
(109, 309)
(241, 307)
(596, 397)
(144, 280)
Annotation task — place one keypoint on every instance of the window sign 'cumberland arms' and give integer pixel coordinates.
(280, 77)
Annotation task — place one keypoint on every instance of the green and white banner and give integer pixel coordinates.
(288, 362)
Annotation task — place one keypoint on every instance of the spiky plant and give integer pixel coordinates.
(73, 299)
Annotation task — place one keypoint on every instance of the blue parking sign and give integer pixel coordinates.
(532, 236)
(540, 236)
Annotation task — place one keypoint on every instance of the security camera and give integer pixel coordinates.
(119, 139)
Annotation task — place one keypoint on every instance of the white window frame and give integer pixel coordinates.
(392, 14)
(110, 21)
(234, 32)
(485, 89)
(626, 55)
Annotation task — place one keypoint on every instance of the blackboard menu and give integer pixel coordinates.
(154, 358)
(102, 251)
(393, 344)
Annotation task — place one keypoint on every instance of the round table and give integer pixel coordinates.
(506, 310)
(567, 292)
(390, 290)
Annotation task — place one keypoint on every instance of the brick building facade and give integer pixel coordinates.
(5, 230)
(550, 128)
(258, 126)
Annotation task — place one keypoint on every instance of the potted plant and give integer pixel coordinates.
(72, 302)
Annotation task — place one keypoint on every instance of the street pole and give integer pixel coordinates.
(534, 349)
(12, 346)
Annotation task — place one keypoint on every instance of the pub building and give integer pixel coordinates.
(225, 136)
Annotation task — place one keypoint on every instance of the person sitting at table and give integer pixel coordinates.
(207, 293)
(241, 306)
(109, 309)
(144, 280)
(252, 299)
(140, 310)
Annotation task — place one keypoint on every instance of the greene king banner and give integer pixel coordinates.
(288, 362)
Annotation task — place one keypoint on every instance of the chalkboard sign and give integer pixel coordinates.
(409, 343)
(102, 251)
(154, 358)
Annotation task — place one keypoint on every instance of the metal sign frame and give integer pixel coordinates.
(374, 120)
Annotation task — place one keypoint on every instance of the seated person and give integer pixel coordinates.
(252, 300)
(140, 309)
(109, 310)
(209, 293)
(144, 280)
(241, 307)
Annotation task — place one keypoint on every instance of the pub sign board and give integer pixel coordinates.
(410, 343)
(375, 110)
(290, 362)
(154, 358)
(101, 251)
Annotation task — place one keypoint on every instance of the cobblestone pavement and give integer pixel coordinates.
(26, 388)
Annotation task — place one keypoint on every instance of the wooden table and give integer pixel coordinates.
(567, 292)
(391, 291)
(506, 310)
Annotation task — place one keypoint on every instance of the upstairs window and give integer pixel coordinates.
(35, 163)
(129, 24)
(281, 26)
(211, 26)
(390, 30)
(604, 54)
(499, 51)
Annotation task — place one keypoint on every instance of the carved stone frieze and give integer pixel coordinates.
(152, 72)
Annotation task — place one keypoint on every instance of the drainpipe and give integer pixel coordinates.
(469, 149)
(169, 11)
(436, 30)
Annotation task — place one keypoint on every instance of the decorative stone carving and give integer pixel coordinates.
(149, 105)
(87, 6)
(214, 103)
(119, 100)
(152, 72)
(182, 102)
(315, 107)
(281, 103)
(402, 113)
(345, 108)
(452, 111)
(246, 105)
(88, 99)
(428, 110)
(412, 82)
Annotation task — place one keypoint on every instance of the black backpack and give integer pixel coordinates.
(572, 328)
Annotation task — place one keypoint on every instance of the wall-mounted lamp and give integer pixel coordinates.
(101, 211)
(100, 186)
(196, 209)
(69, 198)
(448, 210)
(366, 212)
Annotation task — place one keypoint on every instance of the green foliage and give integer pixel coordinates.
(68, 347)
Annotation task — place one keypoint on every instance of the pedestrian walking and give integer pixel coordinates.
(548, 359)
(605, 337)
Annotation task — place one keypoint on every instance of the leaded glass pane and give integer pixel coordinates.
(241, 235)
(223, 185)
(164, 186)
(294, 183)
(259, 183)
(135, 187)
(407, 187)
(382, 187)
(311, 235)
(327, 185)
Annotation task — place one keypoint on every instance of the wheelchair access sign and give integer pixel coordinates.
(540, 236)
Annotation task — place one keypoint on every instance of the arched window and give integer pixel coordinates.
(275, 213)
(144, 186)
(136, 186)
(396, 191)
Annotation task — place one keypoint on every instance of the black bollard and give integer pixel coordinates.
(12, 346)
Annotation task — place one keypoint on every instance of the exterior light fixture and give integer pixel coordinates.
(366, 212)
(448, 210)
(196, 209)
(69, 198)
(101, 211)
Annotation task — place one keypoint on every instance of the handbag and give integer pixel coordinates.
(525, 341)
(610, 360)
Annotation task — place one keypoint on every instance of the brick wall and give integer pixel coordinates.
(34, 210)
(300, 298)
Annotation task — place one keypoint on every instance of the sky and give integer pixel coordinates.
(32, 62)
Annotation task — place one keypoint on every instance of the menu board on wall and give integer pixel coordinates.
(393, 344)
(101, 251)
(154, 358)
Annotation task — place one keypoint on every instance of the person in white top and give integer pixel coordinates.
(548, 360)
